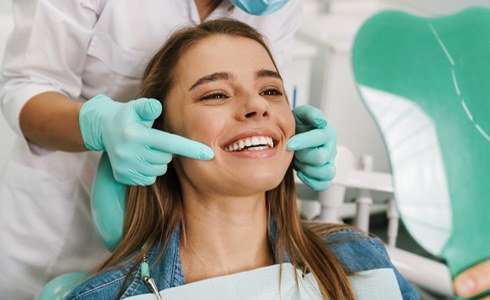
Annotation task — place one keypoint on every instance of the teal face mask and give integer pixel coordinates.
(259, 7)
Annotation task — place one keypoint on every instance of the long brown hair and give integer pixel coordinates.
(160, 205)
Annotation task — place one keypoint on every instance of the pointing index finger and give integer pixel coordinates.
(179, 145)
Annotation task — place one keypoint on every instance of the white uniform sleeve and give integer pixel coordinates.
(46, 51)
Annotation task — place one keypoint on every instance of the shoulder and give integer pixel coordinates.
(358, 252)
(108, 285)
(102, 285)
(124, 279)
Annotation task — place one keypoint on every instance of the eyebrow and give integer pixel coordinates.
(212, 77)
(268, 73)
(263, 73)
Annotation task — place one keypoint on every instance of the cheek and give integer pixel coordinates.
(200, 126)
(288, 125)
(287, 121)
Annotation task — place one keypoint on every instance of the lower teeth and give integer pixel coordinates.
(256, 148)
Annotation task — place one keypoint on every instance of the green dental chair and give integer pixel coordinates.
(426, 83)
(108, 218)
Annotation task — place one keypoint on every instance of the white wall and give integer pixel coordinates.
(333, 88)
(438, 7)
(6, 26)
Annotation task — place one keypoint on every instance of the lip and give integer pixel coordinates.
(253, 153)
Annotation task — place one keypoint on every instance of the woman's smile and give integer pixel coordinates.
(253, 144)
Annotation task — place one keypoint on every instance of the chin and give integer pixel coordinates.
(262, 183)
(260, 176)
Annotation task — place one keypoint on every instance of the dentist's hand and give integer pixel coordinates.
(473, 281)
(315, 146)
(137, 152)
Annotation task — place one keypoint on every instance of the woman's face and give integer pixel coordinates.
(229, 96)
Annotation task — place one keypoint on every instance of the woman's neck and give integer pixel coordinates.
(206, 7)
(224, 236)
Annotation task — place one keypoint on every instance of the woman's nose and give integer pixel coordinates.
(254, 107)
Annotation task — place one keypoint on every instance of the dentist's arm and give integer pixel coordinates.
(315, 146)
(51, 121)
(473, 281)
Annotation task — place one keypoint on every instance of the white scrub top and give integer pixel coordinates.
(81, 48)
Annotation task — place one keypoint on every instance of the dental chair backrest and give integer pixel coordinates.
(426, 82)
(108, 205)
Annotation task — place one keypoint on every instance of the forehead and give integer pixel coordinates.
(222, 50)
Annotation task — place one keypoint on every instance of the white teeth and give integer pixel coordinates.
(252, 143)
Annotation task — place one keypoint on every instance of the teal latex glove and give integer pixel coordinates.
(138, 153)
(315, 146)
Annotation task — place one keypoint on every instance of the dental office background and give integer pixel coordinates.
(320, 73)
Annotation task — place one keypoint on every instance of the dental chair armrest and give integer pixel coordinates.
(58, 288)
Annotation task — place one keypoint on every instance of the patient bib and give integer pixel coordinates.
(263, 283)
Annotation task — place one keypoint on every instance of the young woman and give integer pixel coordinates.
(218, 84)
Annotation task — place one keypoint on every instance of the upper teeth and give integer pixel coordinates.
(257, 142)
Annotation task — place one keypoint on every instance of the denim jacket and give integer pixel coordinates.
(356, 251)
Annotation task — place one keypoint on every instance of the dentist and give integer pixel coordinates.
(71, 73)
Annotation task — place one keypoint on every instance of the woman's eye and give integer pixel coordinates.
(214, 96)
(271, 92)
